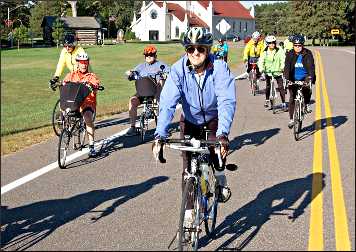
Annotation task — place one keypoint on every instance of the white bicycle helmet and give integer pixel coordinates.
(255, 36)
(197, 36)
(82, 56)
(270, 39)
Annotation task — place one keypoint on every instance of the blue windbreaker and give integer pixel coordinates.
(217, 97)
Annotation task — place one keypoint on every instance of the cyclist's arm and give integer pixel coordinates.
(61, 63)
(311, 70)
(287, 64)
(282, 58)
(226, 96)
(168, 100)
(94, 81)
(246, 51)
(261, 63)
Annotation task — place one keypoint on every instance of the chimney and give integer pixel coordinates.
(74, 7)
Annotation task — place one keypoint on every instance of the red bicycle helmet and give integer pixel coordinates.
(149, 49)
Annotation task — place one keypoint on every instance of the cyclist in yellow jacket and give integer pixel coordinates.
(67, 57)
(252, 51)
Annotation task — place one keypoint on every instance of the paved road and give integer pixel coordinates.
(287, 195)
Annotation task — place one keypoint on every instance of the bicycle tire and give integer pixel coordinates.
(297, 121)
(142, 128)
(81, 134)
(211, 208)
(65, 147)
(57, 119)
(187, 240)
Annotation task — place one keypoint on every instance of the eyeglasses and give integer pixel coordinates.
(298, 45)
(191, 49)
(150, 55)
(86, 62)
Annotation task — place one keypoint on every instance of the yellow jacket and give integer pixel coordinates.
(253, 51)
(288, 45)
(68, 59)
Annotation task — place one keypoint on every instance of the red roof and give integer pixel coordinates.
(179, 12)
(228, 9)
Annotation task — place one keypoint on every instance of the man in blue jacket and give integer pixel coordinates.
(206, 89)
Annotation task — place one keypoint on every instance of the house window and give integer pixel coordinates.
(240, 27)
(177, 31)
(233, 26)
(153, 14)
(245, 26)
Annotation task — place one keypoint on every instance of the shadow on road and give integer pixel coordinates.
(335, 121)
(245, 223)
(255, 138)
(110, 122)
(23, 227)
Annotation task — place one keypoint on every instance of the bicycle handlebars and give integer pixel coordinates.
(100, 88)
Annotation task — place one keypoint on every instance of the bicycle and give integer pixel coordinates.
(202, 183)
(254, 81)
(299, 105)
(273, 93)
(147, 88)
(72, 136)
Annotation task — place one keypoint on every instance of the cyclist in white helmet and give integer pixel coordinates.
(206, 89)
(88, 107)
(272, 62)
(252, 51)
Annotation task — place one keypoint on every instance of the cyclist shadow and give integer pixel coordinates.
(335, 121)
(275, 200)
(24, 226)
(255, 138)
(110, 122)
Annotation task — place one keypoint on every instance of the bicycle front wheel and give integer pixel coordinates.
(297, 120)
(65, 147)
(188, 233)
(57, 119)
(210, 204)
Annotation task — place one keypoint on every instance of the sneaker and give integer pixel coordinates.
(132, 131)
(291, 124)
(92, 153)
(225, 194)
(307, 109)
(284, 107)
(266, 103)
(188, 218)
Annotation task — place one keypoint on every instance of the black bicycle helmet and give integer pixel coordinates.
(69, 39)
(298, 39)
(197, 36)
(290, 37)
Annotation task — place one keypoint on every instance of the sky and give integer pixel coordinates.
(249, 4)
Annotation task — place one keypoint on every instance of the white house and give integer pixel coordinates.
(166, 20)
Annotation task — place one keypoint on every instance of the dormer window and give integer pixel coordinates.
(153, 14)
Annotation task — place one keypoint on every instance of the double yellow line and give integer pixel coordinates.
(316, 241)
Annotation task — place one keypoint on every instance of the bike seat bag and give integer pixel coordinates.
(72, 95)
(145, 87)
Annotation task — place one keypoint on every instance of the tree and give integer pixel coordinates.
(20, 34)
(58, 31)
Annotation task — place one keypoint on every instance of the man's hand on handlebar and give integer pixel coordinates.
(224, 142)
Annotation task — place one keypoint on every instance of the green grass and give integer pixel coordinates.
(27, 102)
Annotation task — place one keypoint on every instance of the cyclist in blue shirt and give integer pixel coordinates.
(150, 66)
(222, 50)
(299, 66)
(206, 89)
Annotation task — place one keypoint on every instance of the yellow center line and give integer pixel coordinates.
(316, 242)
(340, 218)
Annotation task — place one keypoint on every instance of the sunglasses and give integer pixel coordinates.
(150, 55)
(86, 62)
(200, 49)
(298, 45)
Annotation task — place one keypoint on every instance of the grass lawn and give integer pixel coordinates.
(27, 102)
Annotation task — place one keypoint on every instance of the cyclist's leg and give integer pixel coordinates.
(292, 94)
(281, 88)
(268, 89)
(133, 104)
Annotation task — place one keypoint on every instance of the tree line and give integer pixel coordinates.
(314, 19)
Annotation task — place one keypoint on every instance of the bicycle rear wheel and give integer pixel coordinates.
(210, 204)
(57, 118)
(188, 234)
(65, 147)
(142, 128)
(297, 120)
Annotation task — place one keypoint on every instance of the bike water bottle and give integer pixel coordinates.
(204, 178)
